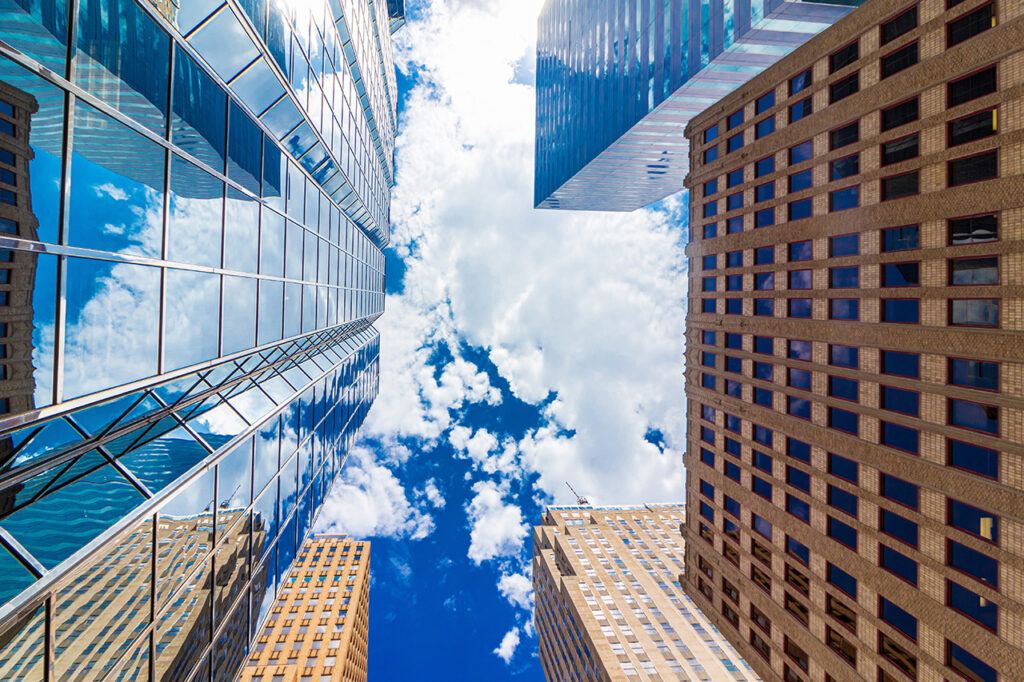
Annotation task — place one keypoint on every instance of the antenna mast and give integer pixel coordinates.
(580, 500)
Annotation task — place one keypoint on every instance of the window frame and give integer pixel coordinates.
(949, 270)
(950, 122)
(949, 228)
(882, 301)
(949, 24)
(952, 81)
(949, 591)
(894, 17)
(986, 152)
(881, 60)
(882, 194)
(881, 274)
(831, 70)
(999, 311)
(883, 230)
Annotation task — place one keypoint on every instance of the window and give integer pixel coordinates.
(799, 251)
(841, 467)
(971, 87)
(731, 530)
(801, 152)
(899, 114)
(734, 201)
(974, 271)
(760, 646)
(764, 255)
(974, 416)
(901, 274)
(800, 350)
(842, 500)
(842, 613)
(798, 581)
(897, 617)
(763, 371)
(972, 169)
(841, 579)
(708, 305)
(764, 344)
(707, 490)
(761, 526)
(901, 59)
(760, 619)
(764, 217)
(733, 143)
(897, 26)
(710, 154)
(899, 186)
(764, 103)
(973, 229)
(800, 181)
(800, 279)
(734, 225)
(764, 166)
(797, 654)
(970, 25)
(843, 388)
(843, 57)
(901, 364)
(764, 307)
(734, 341)
(798, 610)
(710, 262)
(800, 82)
(734, 119)
(710, 230)
(732, 471)
(798, 210)
(730, 591)
(897, 563)
(973, 458)
(764, 127)
(846, 135)
(899, 400)
(844, 88)
(798, 508)
(734, 259)
(981, 567)
(707, 457)
(707, 337)
(969, 665)
(843, 199)
(798, 550)
(974, 312)
(734, 178)
(734, 306)
(764, 281)
(897, 655)
(844, 278)
(842, 533)
(711, 133)
(801, 109)
(730, 615)
(843, 309)
(844, 167)
(900, 437)
(710, 187)
(841, 646)
(731, 555)
(798, 478)
(761, 579)
(970, 128)
(843, 356)
(898, 527)
(707, 512)
(764, 192)
(906, 238)
(901, 310)
(799, 307)
(899, 491)
(763, 462)
(798, 450)
(900, 150)
(710, 209)
(983, 611)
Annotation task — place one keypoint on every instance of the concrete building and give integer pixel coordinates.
(855, 362)
(608, 603)
(617, 82)
(318, 628)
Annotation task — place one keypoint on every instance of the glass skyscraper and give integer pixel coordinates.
(617, 81)
(193, 201)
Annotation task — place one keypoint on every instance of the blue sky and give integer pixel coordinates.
(520, 349)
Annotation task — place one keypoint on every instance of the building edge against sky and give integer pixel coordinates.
(618, 81)
(608, 601)
(193, 202)
(854, 354)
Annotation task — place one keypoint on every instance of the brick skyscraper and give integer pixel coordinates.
(855, 355)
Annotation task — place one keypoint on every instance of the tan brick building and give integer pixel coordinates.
(608, 605)
(855, 356)
(318, 629)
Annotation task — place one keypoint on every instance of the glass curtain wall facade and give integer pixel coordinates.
(193, 202)
(617, 81)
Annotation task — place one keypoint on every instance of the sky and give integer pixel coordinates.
(520, 350)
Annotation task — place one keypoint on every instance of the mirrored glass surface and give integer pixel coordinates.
(271, 311)
(231, 558)
(192, 318)
(223, 44)
(135, 667)
(185, 536)
(232, 643)
(257, 86)
(198, 112)
(183, 630)
(262, 592)
(239, 332)
(234, 481)
(14, 577)
(21, 648)
(194, 215)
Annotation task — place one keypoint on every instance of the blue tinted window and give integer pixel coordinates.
(800, 350)
(800, 181)
(764, 103)
(898, 490)
(899, 400)
(710, 230)
(734, 259)
(901, 274)
(900, 437)
(902, 310)
(734, 178)
(735, 142)
(734, 225)
(734, 283)
(800, 251)
(730, 505)
(710, 209)
(901, 364)
(974, 374)
(842, 199)
(845, 245)
(734, 341)
(707, 337)
(764, 255)
(798, 210)
(972, 667)
(801, 279)
(798, 479)
(734, 120)
(798, 407)
(761, 487)
(732, 447)
(763, 461)
(973, 605)
(706, 511)
(979, 566)
(801, 109)
(732, 471)
(709, 284)
(843, 308)
(764, 166)
(706, 489)
(710, 187)
(844, 356)
(734, 306)
(968, 415)
(764, 371)
(198, 112)
(707, 381)
(710, 154)
(707, 412)
(800, 378)
(708, 305)
(843, 420)
(798, 549)
(844, 167)
(709, 262)
(801, 152)
(974, 521)
(764, 281)
(761, 526)
(764, 192)
(841, 579)
(707, 434)
(765, 127)
(763, 435)
(973, 458)
(733, 423)
(798, 508)
(898, 563)
(842, 500)
(707, 457)
(843, 468)
(799, 307)
(764, 218)
(733, 388)
(707, 359)
(734, 201)
(764, 307)
(898, 618)
(711, 133)
(901, 238)
(841, 387)
(900, 528)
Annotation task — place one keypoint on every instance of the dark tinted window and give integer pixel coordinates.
(899, 186)
(734, 225)
(970, 25)
(970, 415)
(800, 110)
(900, 150)
(844, 278)
(974, 374)
(764, 167)
(972, 87)
(801, 152)
(711, 133)
(764, 255)
(973, 458)
(710, 230)
(844, 167)
(799, 251)
(974, 521)
(764, 192)
(842, 500)
(898, 618)
(764, 127)
(900, 528)
(982, 228)
(798, 449)
(710, 154)
(734, 143)
(901, 310)
(764, 103)
(734, 178)
(973, 168)
(843, 468)
(974, 127)
(967, 271)
(901, 364)
(843, 356)
(800, 378)
(800, 350)
(841, 579)
(979, 566)
(798, 479)
(842, 533)
(841, 387)
(843, 199)
(898, 490)
(900, 400)
(901, 274)
(900, 238)
(798, 508)
(764, 281)
(800, 82)
(764, 217)
(798, 210)
(898, 563)
(843, 88)
(799, 181)
(843, 309)
(709, 262)
(900, 114)
(844, 57)
(800, 279)
(798, 549)
(841, 137)
(900, 437)
(734, 259)
(897, 26)
(969, 665)
(973, 605)
(764, 307)
(899, 60)
(845, 245)
(734, 120)
(798, 407)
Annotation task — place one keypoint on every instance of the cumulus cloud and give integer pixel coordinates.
(517, 589)
(369, 501)
(496, 528)
(433, 494)
(508, 645)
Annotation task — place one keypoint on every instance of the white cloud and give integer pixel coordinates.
(369, 501)
(497, 529)
(111, 190)
(517, 589)
(433, 494)
(508, 645)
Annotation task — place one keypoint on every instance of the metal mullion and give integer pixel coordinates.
(121, 469)
(21, 554)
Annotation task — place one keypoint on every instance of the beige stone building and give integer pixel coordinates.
(318, 630)
(855, 355)
(608, 602)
